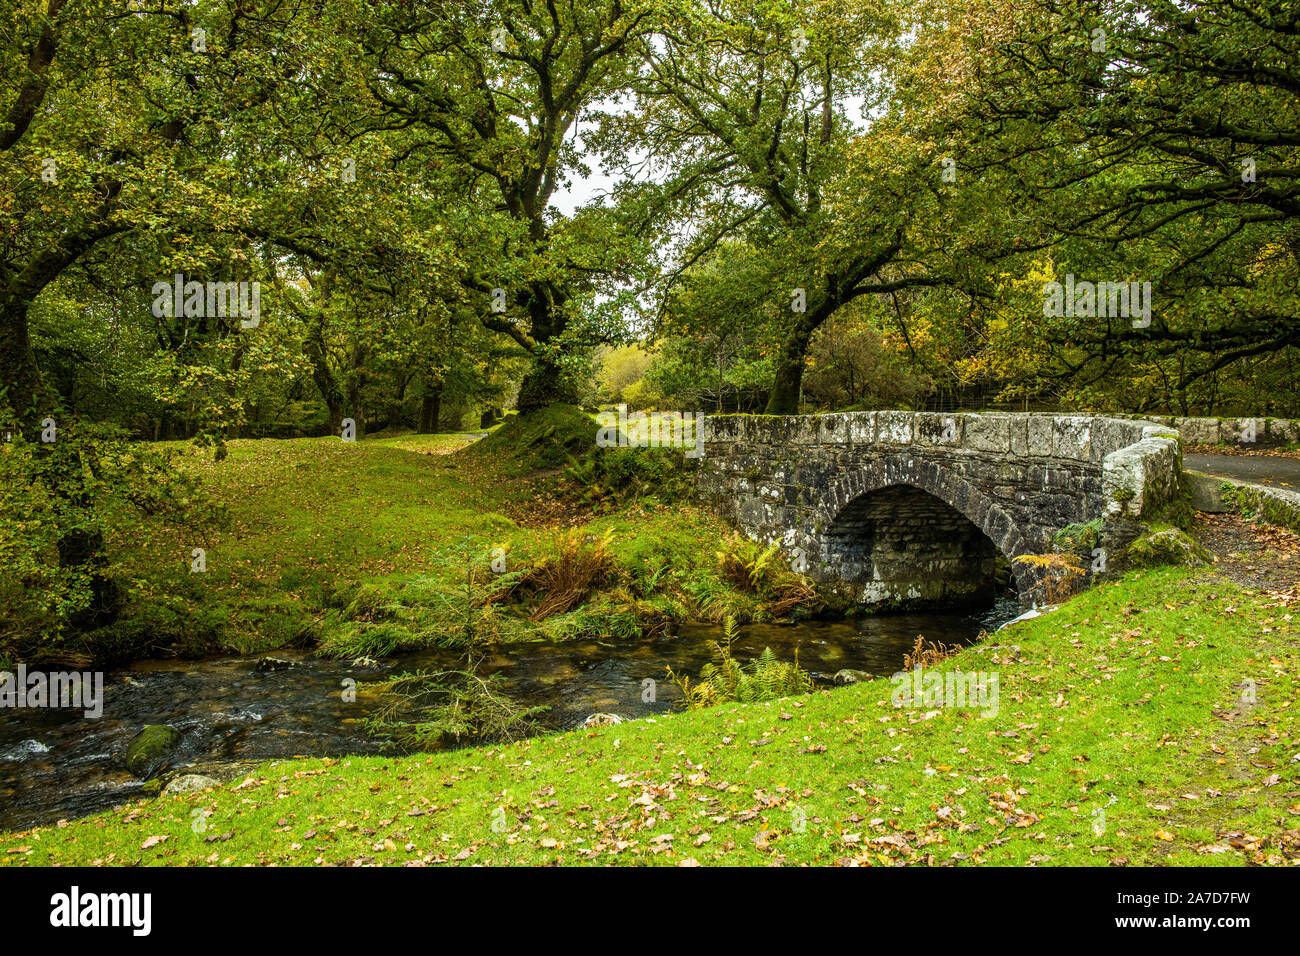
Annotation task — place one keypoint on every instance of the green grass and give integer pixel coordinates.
(306, 514)
(544, 439)
(1129, 699)
(361, 547)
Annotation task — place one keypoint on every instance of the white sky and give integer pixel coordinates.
(583, 190)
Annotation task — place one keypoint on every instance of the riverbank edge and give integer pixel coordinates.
(1124, 737)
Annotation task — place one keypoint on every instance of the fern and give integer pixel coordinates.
(429, 710)
(1062, 570)
(724, 679)
(761, 572)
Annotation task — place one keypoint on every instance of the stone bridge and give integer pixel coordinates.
(912, 509)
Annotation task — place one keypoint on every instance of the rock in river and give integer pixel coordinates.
(849, 676)
(190, 783)
(146, 752)
(25, 750)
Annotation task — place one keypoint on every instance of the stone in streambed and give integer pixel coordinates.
(849, 676)
(148, 749)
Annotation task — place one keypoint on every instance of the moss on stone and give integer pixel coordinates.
(1166, 545)
(144, 754)
(1177, 511)
(1258, 503)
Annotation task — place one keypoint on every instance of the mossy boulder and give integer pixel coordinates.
(147, 751)
(1166, 546)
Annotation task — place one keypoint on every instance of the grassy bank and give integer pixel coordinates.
(1134, 700)
(387, 544)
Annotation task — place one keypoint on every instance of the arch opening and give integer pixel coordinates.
(902, 548)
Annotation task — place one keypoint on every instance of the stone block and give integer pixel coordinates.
(1041, 438)
(1199, 431)
(832, 429)
(1110, 435)
(1284, 430)
(861, 426)
(1018, 430)
(1072, 437)
(988, 433)
(1242, 431)
(1206, 492)
(896, 428)
(1141, 477)
(940, 431)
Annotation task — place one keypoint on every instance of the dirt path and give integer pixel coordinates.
(1258, 556)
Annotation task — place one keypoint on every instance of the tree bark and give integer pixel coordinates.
(329, 389)
(430, 408)
(85, 549)
(358, 412)
(544, 384)
(396, 417)
(788, 383)
(20, 379)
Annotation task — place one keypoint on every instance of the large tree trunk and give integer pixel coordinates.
(430, 408)
(85, 549)
(396, 417)
(334, 404)
(232, 429)
(546, 382)
(355, 381)
(543, 385)
(354, 404)
(786, 388)
(20, 379)
(328, 386)
(788, 384)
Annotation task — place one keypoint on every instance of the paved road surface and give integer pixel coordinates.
(1259, 469)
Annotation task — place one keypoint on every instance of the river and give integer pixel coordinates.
(58, 764)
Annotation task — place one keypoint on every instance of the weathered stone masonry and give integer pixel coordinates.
(912, 508)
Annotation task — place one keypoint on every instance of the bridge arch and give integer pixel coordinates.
(858, 500)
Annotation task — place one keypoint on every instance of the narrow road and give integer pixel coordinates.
(1259, 469)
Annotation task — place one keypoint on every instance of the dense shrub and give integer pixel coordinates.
(58, 501)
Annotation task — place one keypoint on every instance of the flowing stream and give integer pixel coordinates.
(58, 764)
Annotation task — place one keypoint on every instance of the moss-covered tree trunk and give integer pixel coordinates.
(326, 383)
(788, 383)
(546, 382)
(20, 379)
(430, 407)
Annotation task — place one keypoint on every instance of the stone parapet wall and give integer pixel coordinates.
(1018, 478)
(1230, 431)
